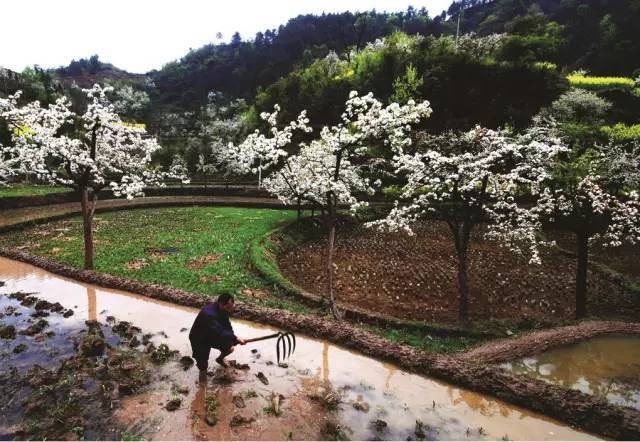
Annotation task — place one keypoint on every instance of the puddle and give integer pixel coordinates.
(389, 403)
(606, 367)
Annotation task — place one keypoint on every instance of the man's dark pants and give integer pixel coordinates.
(201, 352)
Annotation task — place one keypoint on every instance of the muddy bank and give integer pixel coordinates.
(539, 341)
(570, 406)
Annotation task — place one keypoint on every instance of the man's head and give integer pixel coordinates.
(226, 302)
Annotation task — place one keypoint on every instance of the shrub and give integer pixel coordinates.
(622, 132)
(392, 192)
(545, 65)
(580, 106)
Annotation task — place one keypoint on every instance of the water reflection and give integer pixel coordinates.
(325, 362)
(607, 367)
(92, 304)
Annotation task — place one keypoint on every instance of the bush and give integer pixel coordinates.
(392, 192)
(580, 106)
(622, 132)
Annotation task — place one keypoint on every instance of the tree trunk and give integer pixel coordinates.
(461, 235)
(88, 209)
(329, 268)
(463, 284)
(582, 242)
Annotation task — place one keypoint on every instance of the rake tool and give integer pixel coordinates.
(287, 339)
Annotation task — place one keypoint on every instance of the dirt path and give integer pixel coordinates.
(536, 342)
(13, 217)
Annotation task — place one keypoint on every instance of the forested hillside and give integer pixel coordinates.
(509, 59)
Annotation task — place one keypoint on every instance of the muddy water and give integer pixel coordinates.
(607, 367)
(381, 391)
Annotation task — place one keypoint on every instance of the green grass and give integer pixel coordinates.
(125, 236)
(424, 341)
(30, 190)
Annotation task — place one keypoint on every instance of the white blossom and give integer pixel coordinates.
(477, 176)
(91, 150)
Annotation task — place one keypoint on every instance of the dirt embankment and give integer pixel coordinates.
(570, 406)
(415, 278)
(505, 350)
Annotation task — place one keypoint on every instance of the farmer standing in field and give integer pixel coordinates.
(212, 329)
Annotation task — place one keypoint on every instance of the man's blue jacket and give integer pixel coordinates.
(212, 327)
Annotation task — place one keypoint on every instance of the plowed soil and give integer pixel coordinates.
(415, 277)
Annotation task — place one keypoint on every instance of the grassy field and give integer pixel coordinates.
(199, 249)
(202, 249)
(30, 190)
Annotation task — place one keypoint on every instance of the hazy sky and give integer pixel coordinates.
(140, 35)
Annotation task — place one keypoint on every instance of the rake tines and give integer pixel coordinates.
(288, 341)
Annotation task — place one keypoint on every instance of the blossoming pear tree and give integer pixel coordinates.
(259, 152)
(87, 152)
(595, 195)
(327, 172)
(475, 177)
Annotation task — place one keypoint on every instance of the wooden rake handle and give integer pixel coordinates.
(262, 338)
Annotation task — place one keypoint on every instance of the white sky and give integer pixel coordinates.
(140, 35)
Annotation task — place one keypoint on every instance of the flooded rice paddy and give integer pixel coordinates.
(322, 392)
(607, 367)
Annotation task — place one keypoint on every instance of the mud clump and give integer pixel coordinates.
(68, 313)
(238, 366)
(40, 314)
(20, 348)
(326, 397)
(146, 339)
(43, 305)
(92, 343)
(36, 328)
(28, 301)
(56, 307)
(186, 362)
(334, 431)
(379, 425)
(361, 406)
(7, 332)
(10, 310)
(173, 404)
(162, 354)
(121, 328)
(262, 378)
(239, 420)
(238, 401)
